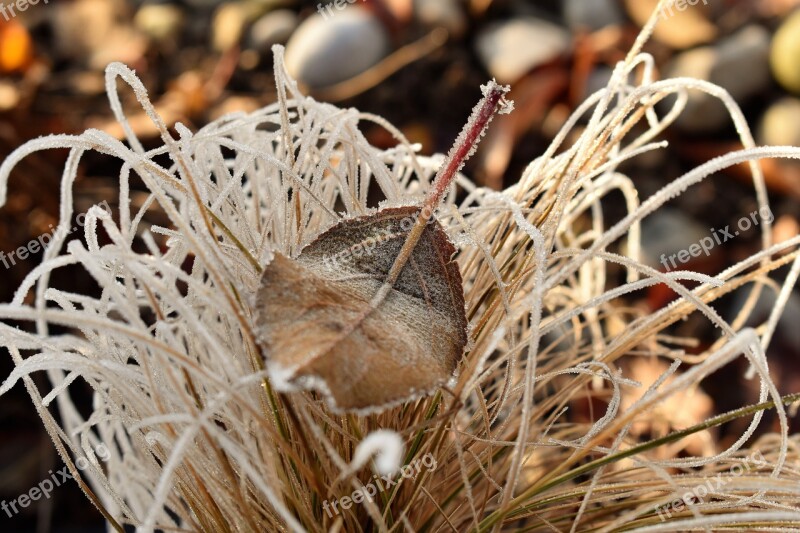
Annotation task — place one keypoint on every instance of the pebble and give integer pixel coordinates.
(509, 50)
(667, 232)
(228, 25)
(9, 96)
(592, 14)
(598, 80)
(160, 22)
(329, 49)
(785, 54)
(780, 125)
(787, 329)
(273, 28)
(682, 26)
(93, 32)
(446, 14)
(746, 51)
(204, 4)
(82, 27)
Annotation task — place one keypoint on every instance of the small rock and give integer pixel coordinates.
(446, 14)
(787, 329)
(273, 28)
(666, 233)
(329, 49)
(87, 82)
(683, 23)
(83, 26)
(702, 113)
(249, 59)
(228, 25)
(592, 14)
(509, 50)
(160, 22)
(785, 54)
(9, 96)
(780, 125)
(204, 4)
(746, 51)
(598, 80)
(96, 32)
(776, 8)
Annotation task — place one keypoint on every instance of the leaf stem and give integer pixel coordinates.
(493, 102)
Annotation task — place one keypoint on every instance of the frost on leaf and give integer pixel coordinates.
(318, 330)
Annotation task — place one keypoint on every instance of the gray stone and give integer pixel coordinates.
(738, 64)
(447, 14)
(742, 65)
(787, 328)
(667, 232)
(509, 50)
(329, 49)
(92, 32)
(598, 80)
(592, 14)
(273, 28)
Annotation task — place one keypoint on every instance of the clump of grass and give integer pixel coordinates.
(200, 441)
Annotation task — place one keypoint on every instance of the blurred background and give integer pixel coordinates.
(418, 63)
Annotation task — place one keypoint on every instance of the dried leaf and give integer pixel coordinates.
(371, 313)
(409, 346)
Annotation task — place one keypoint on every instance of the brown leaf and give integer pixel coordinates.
(372, 312)
(319, 332)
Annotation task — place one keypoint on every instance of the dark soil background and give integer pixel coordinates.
(202, 58)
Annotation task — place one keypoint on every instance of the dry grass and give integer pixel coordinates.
(199, 439)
